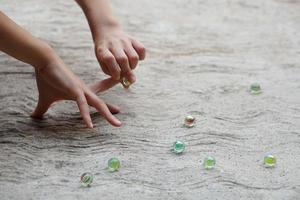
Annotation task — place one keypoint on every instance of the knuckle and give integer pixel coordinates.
(110, 43)
(116, 77)
(142, 49)
(122, 59)
(116, 74)
(99, 103)
(116, 71)
(81, 101)
(123, 41)
(100, 49)
(108, 58)
(74, 92)
(134, 58)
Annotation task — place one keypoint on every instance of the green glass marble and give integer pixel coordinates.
(189, 121)
(255, 88)
(126, 83)
(113, 165)
(178, 147)
(86, 179)
(269, 161)
(209, 162)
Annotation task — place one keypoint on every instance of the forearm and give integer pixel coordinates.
(99, 15)
(20, 44)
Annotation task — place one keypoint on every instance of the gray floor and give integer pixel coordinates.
(202, 57)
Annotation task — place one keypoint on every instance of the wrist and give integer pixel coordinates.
(99, 16)
(48, 56)
(104, 28)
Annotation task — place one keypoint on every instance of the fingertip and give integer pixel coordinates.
(117, 110)
(88, 122)
(104, 110)
(84, 110)
(114, 121)
(118, 123)
(90, 125)
(113, 109)
(143, 56)
(131, 77)
(140, 49)
(35, 115)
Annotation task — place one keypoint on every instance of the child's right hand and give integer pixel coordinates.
(57, 82)
(118, 53)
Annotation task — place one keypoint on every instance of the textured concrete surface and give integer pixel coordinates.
(202, 57)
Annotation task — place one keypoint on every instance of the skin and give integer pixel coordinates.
(118, 53)
(54, 79)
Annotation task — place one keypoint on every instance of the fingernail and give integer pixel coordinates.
(91, 125)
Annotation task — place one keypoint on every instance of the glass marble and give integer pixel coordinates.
(209, 162)
(189, 121)
(255, 88)
(86, 179)
(269, 161)
(178, 147)
(126, 83)
(113, 164)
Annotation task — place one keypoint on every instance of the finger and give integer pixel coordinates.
(132, 55)
(41, 108)
(113, 109)
(130, 77)
(84, 110)
(100, 86)
(104, 68)
(139, 48)
(107, 58)
(103, 109)
(122, 59)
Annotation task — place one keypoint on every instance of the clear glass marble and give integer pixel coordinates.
(189, 121)
(269, 161)
(113, 164)
(255, 88)
(209, 162)
(178, 147)
(126, 83)
(86, 179)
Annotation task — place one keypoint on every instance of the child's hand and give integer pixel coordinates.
(118, 53)
(57, 82)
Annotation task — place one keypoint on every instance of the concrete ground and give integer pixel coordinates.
(202, 57)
